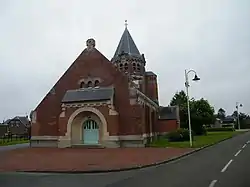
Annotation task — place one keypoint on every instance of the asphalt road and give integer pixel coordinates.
(223, 165)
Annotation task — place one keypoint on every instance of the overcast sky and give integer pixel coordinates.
(39, 39)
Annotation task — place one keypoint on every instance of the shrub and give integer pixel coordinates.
(178, 135)
(220, 129)
(201, 130)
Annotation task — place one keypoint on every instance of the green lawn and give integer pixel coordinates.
(13, 142)
(198, 141)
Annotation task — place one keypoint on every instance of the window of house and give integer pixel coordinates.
(97, 83)
(90, 84)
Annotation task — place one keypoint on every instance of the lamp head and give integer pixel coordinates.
(196, 78)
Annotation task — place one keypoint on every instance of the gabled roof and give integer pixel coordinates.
(127, 45)
(23, 119)
(88, 94)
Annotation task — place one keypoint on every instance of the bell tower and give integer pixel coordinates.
(128, 59)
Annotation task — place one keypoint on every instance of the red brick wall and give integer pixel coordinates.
(166, 125)
(92, 64)
(152, 87)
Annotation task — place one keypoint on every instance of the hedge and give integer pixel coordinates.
(221, 129)
(178, 135)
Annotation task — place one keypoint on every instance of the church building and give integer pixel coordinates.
(103, 103)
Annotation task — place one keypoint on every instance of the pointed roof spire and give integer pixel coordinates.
(126, 44)
(126, 23)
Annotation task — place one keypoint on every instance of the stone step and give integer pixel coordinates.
(88, 146)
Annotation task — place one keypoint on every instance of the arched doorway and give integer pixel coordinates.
(90, 133)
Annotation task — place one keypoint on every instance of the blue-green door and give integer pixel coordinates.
(90, 132)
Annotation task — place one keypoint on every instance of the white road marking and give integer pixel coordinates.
(248, 142)
(244, 146)
(212, 183)
(238, 153)
(226, 166)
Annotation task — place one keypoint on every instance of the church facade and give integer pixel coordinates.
(103, 103)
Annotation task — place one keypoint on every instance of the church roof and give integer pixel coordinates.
(88, 94)
(126, 45)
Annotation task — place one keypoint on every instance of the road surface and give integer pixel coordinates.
(223, 165)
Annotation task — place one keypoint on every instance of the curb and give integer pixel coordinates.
(129, 168)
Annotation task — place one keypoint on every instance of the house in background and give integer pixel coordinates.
(18, 125)
(228, 121)
(3, 130)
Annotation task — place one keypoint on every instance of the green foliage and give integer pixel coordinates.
(220, 129)
(180, 99)
(202, 113)
(178, 135)
(221, 113)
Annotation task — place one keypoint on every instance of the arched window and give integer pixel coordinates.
(138, 67)
(97, 83)
(126, 66)
(121, 66)
(134, 66)
(82, 85)
(90, 84)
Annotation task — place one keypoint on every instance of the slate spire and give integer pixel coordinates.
(126, 44)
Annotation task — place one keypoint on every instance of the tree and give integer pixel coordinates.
(201, 111)
(221, 113)
(244, 118)
(180, 99)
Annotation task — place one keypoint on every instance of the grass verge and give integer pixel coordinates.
(13, 142)
(198, 141)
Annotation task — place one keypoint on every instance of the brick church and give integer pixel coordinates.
(98, 102)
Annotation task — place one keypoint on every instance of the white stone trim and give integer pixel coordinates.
(44, 137)
(130, 137)
(87, 109)
(86, 104)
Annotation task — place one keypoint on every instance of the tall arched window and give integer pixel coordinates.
(97, 83)
(82, 85)
(134, 66)
(121, 66)
(138, 67)
(126, 66)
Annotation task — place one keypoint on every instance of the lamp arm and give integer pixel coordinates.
(191, 71)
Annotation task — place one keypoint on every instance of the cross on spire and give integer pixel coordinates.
(126, 23)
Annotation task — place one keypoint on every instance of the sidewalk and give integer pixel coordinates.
(84, 160)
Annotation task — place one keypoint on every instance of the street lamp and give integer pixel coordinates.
(196, 78)
(238, 116)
